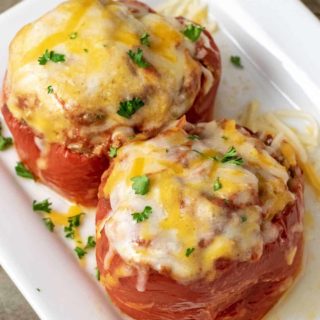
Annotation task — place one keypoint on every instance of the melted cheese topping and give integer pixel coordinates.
(97, 73)
(187, 213)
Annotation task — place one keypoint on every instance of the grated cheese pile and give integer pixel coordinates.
(299, 128)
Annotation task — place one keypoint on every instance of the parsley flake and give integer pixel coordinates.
(113, 152)
(243, 219)
(5, 143)
(130, 107)
(23, 172)
(51, 56)
(217, 185)
(91, 242)
(69, 231)
(145, 39)
(50, 89)
(49, 224)
(138, 59)
(80, 252)
(97, 274)
(74, 222)
(236, 61)
(73, 35)
(189, 251)
(44, 206)
(142, 216)
(231, 157)
(44, 58)
(140, 184)
(193, 137)
(193, 32)
(57, 57)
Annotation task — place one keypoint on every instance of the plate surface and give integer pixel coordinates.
(278, 46)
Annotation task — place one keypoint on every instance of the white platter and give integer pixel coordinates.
(280, 49)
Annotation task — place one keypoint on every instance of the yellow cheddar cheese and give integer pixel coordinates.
(209, 197)
(97, 73)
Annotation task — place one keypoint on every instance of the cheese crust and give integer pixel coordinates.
(76, 102)
(204, 206)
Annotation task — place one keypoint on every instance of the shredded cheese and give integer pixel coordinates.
(187, 231)
(90, 84)
(194, 10)
(298, 128)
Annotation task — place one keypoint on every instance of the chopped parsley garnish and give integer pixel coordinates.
(80, 252)
(51, 56)
(224, 138)
(193, 32)
(86, 50)
(69, 231)
(193, 137)
(145, 39)
(49, 224)
(73, 35)
(217, 185)
(5, 143)
(142, 216)
(236, 61)
(97, 274)
(91, 242)
(189, 251)
(50, 89)
(138, 59)
(23, 172)
(57, 57)
(140, 184)
(44, 206)
(113, 152)
(243, 218)
(130, 107)
(74, 222)
(44, 58)
(231, 157)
